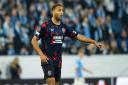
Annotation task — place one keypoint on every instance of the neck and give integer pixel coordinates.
(55, 21)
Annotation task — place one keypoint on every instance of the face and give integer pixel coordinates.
(7, 19)
(58, 12)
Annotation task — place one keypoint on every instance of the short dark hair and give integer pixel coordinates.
(56, 5)
(7, 14)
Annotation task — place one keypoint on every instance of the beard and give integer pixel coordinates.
(58, 18)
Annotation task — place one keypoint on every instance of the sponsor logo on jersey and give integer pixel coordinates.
(58, 39)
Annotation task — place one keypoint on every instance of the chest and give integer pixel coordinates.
(53, 30)
(55, 34)
(56, 31)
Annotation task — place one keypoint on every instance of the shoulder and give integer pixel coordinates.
(63, 24)
(44, 25)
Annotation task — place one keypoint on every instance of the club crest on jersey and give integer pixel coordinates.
(64, 30)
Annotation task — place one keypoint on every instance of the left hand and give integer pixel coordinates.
(99, 45)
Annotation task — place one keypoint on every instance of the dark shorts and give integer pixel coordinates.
(51, 71)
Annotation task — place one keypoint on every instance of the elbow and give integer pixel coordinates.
(34, 40)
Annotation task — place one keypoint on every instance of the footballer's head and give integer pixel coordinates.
(58, 11)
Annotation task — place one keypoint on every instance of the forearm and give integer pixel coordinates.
(84, 39)
(36, 46)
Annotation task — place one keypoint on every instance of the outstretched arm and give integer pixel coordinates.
(87, 40)
(85, 69)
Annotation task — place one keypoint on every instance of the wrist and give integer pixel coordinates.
(40, 53)
(95, 42)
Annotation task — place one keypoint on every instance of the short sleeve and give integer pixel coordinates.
(40, 32)
(71, 33)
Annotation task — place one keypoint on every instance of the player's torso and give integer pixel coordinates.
(52, 40)
(80, 68)
(54, 34)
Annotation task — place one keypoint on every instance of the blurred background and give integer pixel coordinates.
(105, 21)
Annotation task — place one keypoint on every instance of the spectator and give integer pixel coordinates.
(43, 17)
(18, 44)
(15, 69)
(22, 17)
(91, 18)
(2, 40)
(113, 47)
(7, 28)
(98, 30)
(100, 12)
(24, 51)
(123, 42)
(14, 17)
(86, 28)
(11, 50)
(109, 27)
(24, 37)
(2, 11)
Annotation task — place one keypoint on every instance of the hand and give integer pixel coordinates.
(43, 58)
(99, 45)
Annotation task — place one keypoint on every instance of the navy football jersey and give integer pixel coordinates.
(52, 37)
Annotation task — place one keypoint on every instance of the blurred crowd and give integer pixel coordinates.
(103, 20)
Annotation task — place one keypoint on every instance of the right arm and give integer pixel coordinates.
(86, 70)
(38, 50)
